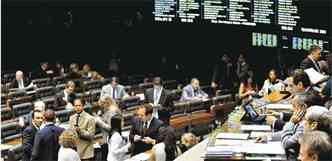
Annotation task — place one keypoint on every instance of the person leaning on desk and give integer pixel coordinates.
(193, 91)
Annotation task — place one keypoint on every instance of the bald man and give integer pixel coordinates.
(193, 91)
(20, 82)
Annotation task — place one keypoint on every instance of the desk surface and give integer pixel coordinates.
(195, 153)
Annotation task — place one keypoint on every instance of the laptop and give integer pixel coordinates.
(251, 115)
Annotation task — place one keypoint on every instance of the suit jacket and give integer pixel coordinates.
(46, 145)
(308, 63)
(87, 126)
(149, 96)
(223, 74)
(59, 99)
(14, 83)
(188, 93)
(137, 129)
(29, 134)
(166, 104)
(107, 90)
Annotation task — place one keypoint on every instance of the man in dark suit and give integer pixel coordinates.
(158, 97)
(223, 73)
(67, 96)
(311, 61)
(43, 71)
(29, 134)
(20, 82)
(46, 144)
(145, 130)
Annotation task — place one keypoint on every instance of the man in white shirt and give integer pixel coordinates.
(20, 82)
(114, 90)
(157, 96)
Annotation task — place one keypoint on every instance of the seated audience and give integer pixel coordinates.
(318, 118)
(74, 72)
(188, 140)
(158, 97)
(48, 135)
(278, 119)
(114, 90)
(29, 134)
(293, 129)
(145, 130)
(248, 87)
(315, 146)
(43, 71)
(68, 141)
(96, 76)
(311, 61)
(67, 96)
(87, 73)
(85, 126)
(109, 109)
(118, 146)
(271, 84)
(21, 82)
(193, 91)
(58, 69)
(166, 149)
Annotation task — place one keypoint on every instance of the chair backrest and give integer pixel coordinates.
(91, 85)
(42, 82)
(129, 102)
(170, 84)
(45, 92)
(22, 109)
(59, 80)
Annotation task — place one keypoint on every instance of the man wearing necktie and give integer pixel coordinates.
(145, 130)
(311, 61)
(193, 91)
(84, 124)
(29, 134)
(20, 82)
(158, 96)
(114, 90)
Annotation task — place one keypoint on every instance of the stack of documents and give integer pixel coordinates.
(256, 128)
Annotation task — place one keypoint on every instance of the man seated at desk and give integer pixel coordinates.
(299, 83)
(20, 82)
(67, 96)
(193, 91)
(114, 90)
(145, 130)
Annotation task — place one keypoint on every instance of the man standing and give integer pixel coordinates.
(311, 61)
(46, 144)
(158, 97)
(114, 90)
(30, 132)
(145, 130)
(85, 126)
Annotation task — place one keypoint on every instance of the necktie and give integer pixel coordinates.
(113, 93)
(77, 119)
(156, 96)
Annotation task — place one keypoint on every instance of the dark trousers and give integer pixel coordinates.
(104, 152)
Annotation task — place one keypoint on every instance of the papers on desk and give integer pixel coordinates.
(279, 106)
(314, 76)
(235, 136)
(255, 128)
(255, 134)
(141, 96)
(262, 148)
(224, 142)
(140, 157)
